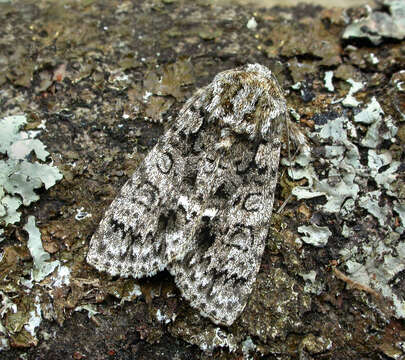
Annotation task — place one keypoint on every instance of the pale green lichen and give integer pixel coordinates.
(62, 277)
(10, 127)
(42, 266)
(345, 162)
(378, 267)
(311, 284)
(382, 129)
(345, 169)
(337, 192)
(374, 261)
(387, 177)
(372, 113)
(315, 235)
(22, 148)
(328, 81)
(19, 176)
(22, 177)
(379, 24)
(9, 206)
(350, 100)
(370, 202)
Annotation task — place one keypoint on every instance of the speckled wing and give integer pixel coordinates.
(146, 226)
(129, 240)
(217, 273)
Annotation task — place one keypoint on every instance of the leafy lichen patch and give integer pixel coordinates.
(42, 266)
(315, 235)
(377, 25)
(377, 269)
(346, 190)
(21, 173)
(18, 175)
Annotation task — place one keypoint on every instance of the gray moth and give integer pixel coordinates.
(200, 203)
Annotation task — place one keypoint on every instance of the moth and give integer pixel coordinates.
(200, 203)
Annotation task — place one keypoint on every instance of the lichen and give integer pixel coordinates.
(377, 269)
(42, 266)
(328, 81)
(19, 176)
(377, 25)
(350, 100)
(91, 310)
(372, 263)
(315, 235)
(22, 171)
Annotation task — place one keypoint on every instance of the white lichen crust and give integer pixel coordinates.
(200, 203)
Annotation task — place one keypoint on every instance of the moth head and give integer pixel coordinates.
(248, 101)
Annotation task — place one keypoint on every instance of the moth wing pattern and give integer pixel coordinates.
(145, 226)
(201, 201)
(216, 275)
(128, 241)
